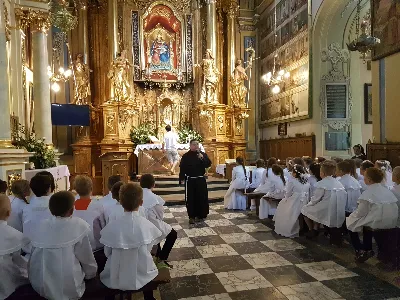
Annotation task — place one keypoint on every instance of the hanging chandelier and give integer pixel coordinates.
(275, 78)
(62, 15)
(363, 42)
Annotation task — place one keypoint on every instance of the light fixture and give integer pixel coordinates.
(275, 79)
(363, 42)
(55, 87)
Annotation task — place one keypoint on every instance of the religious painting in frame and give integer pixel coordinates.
(368, 103)
(162, 41)
(386, 26)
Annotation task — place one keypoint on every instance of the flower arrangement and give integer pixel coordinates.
(187, 133)
(44, 155)
(141, 134)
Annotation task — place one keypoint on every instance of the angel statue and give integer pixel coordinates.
(210, 79)
(81, 81)
(238, 90)
(118, 75)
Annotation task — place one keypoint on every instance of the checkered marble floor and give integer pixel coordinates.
(233, 256)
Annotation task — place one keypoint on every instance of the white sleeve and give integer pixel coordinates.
(233, 174)
(317, 197)
(361, 210)
(107, 251)
(83, 252)
(289, 189)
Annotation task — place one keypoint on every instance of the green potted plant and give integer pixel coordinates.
(141, 134)
(186, 133)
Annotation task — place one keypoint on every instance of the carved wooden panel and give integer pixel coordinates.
(390, 152)
(291, 147)
(82, 159)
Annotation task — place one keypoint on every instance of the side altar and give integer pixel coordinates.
(175, 72)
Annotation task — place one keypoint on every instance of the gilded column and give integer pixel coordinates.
(113, 33)
(212, 27)
(41, 85)
(5, 132)
(232, 10)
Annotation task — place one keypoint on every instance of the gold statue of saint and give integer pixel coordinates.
(81, 81)
(238, 90)
(118, 75)
(210, 79)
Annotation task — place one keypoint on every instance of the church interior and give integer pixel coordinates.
(90, 86)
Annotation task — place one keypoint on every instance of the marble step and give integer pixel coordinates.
(161, 190)
(179, 199)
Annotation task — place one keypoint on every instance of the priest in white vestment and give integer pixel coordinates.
(13, 268)
(128, 241)
(61, 257)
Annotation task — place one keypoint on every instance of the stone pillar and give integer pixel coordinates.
(41, 83)
(232, 11)
(212, 27)
(5, 132)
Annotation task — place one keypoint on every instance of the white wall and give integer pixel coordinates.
(329, 27)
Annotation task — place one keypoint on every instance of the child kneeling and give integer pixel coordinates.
(377, 209)
(127, 243)
(61, 257)
(327, 205)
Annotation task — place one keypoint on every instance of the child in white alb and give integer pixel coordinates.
(108, 200)
(396, 234)
(19, 201)
(377, 211)
(61, 257)
(327, 205)
(128, 241)
(350, 184)
(13, 272)
(274, 190)
(233, 198)
(364, 166)
(289, 209)
(154, 208)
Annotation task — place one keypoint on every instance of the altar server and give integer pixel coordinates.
(154, 209)
(377, 209)
(327, 205)
(274, 188)
(115, 210)
(61, 256)
(233, 198)
(89, 210)
(350, 184)
(192, 170)
(42, 187)
(108, 200)
(19, 200)
(289, 209)
(170, 146)
(13, 272)
(128, 241)
(315, 176)
(366, 164)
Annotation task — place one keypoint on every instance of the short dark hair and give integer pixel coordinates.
(260, 163)
(376, 175)
(53, 182)
(308, 160)
(3, 186)
(83, 185)
(61, 203)
(345, 167)
(193, 141)
(298, 161)
(113, 179)
(40, 185)
(366, 164)
(168, 128)
(329, 167)
(358, 162)
(130, 196)
(315, 169)
(147, 181)
(115, 190)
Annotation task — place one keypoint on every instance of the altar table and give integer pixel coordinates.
(151, 158)
(61, 176)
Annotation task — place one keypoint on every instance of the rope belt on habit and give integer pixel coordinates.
(191, 177)
(186, 181)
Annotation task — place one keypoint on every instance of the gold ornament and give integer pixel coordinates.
(210, 79)
(81, 81)
(118, 75)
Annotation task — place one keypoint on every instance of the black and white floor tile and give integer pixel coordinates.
(233, 256)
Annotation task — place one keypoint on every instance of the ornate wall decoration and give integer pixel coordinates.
(7, 26)
(335, 87)
(110, 123)
(208, 115)
(136, 44)
(181, 5)
(189, 48)
(125, 116)
(221, 121)
(162, 39)
(228, 126)
(13, 175)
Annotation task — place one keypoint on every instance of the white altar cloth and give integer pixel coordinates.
(159, 147)
(220, 169)
(61, 176)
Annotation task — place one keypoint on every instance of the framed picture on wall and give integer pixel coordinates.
(368, 103)
(385, 23)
